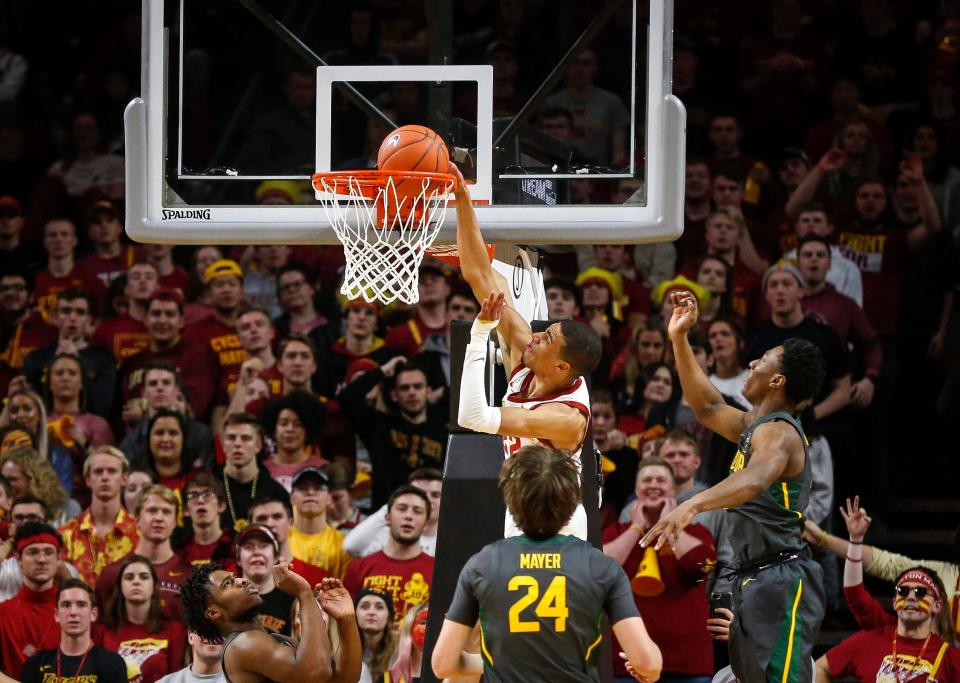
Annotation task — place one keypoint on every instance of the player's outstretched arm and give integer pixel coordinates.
(563, 425)
(449, 656)
(642, 654)
(707, 402)
(259, 653)
(477, 272)
(772, 444)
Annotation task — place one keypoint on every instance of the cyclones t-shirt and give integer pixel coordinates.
(121, 336)
(407, 581)
(223, 341)
(148, 656)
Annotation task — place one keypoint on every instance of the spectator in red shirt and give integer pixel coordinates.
(60, 239)
(196, 364)
(430, 313)
(401, 569)
(901, 648)
(697, 196)
(126, 334)
(157, 515)
(170, 275)
(256, 334)
(842, 314)
(359, 341)
(110, 257)
(725, 135)
(167, 453)
(844, 274)
(24, 330)
(674, 617)
(722, 235)
(151, 645)
(224, 281)
(204, 500)
(26, 620)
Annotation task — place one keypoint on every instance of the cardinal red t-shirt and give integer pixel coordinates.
(222, 340)
(47, 287)
(148, 656)
(171, 574)
(177, 279)
(675, 618)
(407, 581)
(26, 626)
(121, 336)
(198, 372)
(868, 656)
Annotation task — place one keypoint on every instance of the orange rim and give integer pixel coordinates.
(372, 180)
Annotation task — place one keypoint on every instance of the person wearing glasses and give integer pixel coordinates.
(23, 509)
(204, 500)
(905, 647)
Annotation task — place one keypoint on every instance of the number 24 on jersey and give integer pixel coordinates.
(553, 604)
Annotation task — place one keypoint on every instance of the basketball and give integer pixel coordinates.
(413, 148)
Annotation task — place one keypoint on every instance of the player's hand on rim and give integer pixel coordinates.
(685, 313)
(492, 307)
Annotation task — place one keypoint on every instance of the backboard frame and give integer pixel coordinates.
(154, 215)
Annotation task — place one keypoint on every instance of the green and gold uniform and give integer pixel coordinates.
(539, 604)
(778, 588)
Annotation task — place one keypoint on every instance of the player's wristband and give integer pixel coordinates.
(481, 329)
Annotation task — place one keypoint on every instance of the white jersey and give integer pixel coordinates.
(575, 396)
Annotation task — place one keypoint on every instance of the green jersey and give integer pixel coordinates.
(771, 523)
(539, 604)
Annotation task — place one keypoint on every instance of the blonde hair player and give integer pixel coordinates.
(547, 400)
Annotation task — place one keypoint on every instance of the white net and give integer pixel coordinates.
(384, 230)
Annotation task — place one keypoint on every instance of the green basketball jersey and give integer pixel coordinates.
(770, 523)
(539, 604)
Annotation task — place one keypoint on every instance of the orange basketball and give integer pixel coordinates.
(413, 148)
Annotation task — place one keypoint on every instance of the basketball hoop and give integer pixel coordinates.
(385, 220)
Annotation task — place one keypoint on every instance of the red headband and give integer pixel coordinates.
(43, 537)
(917, 576)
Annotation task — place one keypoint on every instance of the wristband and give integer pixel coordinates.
(822, 541)
(636, 528)
(855, 542)
(481, 329)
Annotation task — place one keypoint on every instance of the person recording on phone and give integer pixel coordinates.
(669, 588)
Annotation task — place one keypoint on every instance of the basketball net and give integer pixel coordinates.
(384, 232)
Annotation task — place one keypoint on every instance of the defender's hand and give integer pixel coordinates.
(685, 313)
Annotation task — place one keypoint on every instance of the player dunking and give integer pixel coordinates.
(778, 594)
(539, 596)
(547, 399)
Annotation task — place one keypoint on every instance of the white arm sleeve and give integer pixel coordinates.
(474, 412)
(362, 537)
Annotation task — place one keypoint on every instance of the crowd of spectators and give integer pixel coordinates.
(166, 407)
